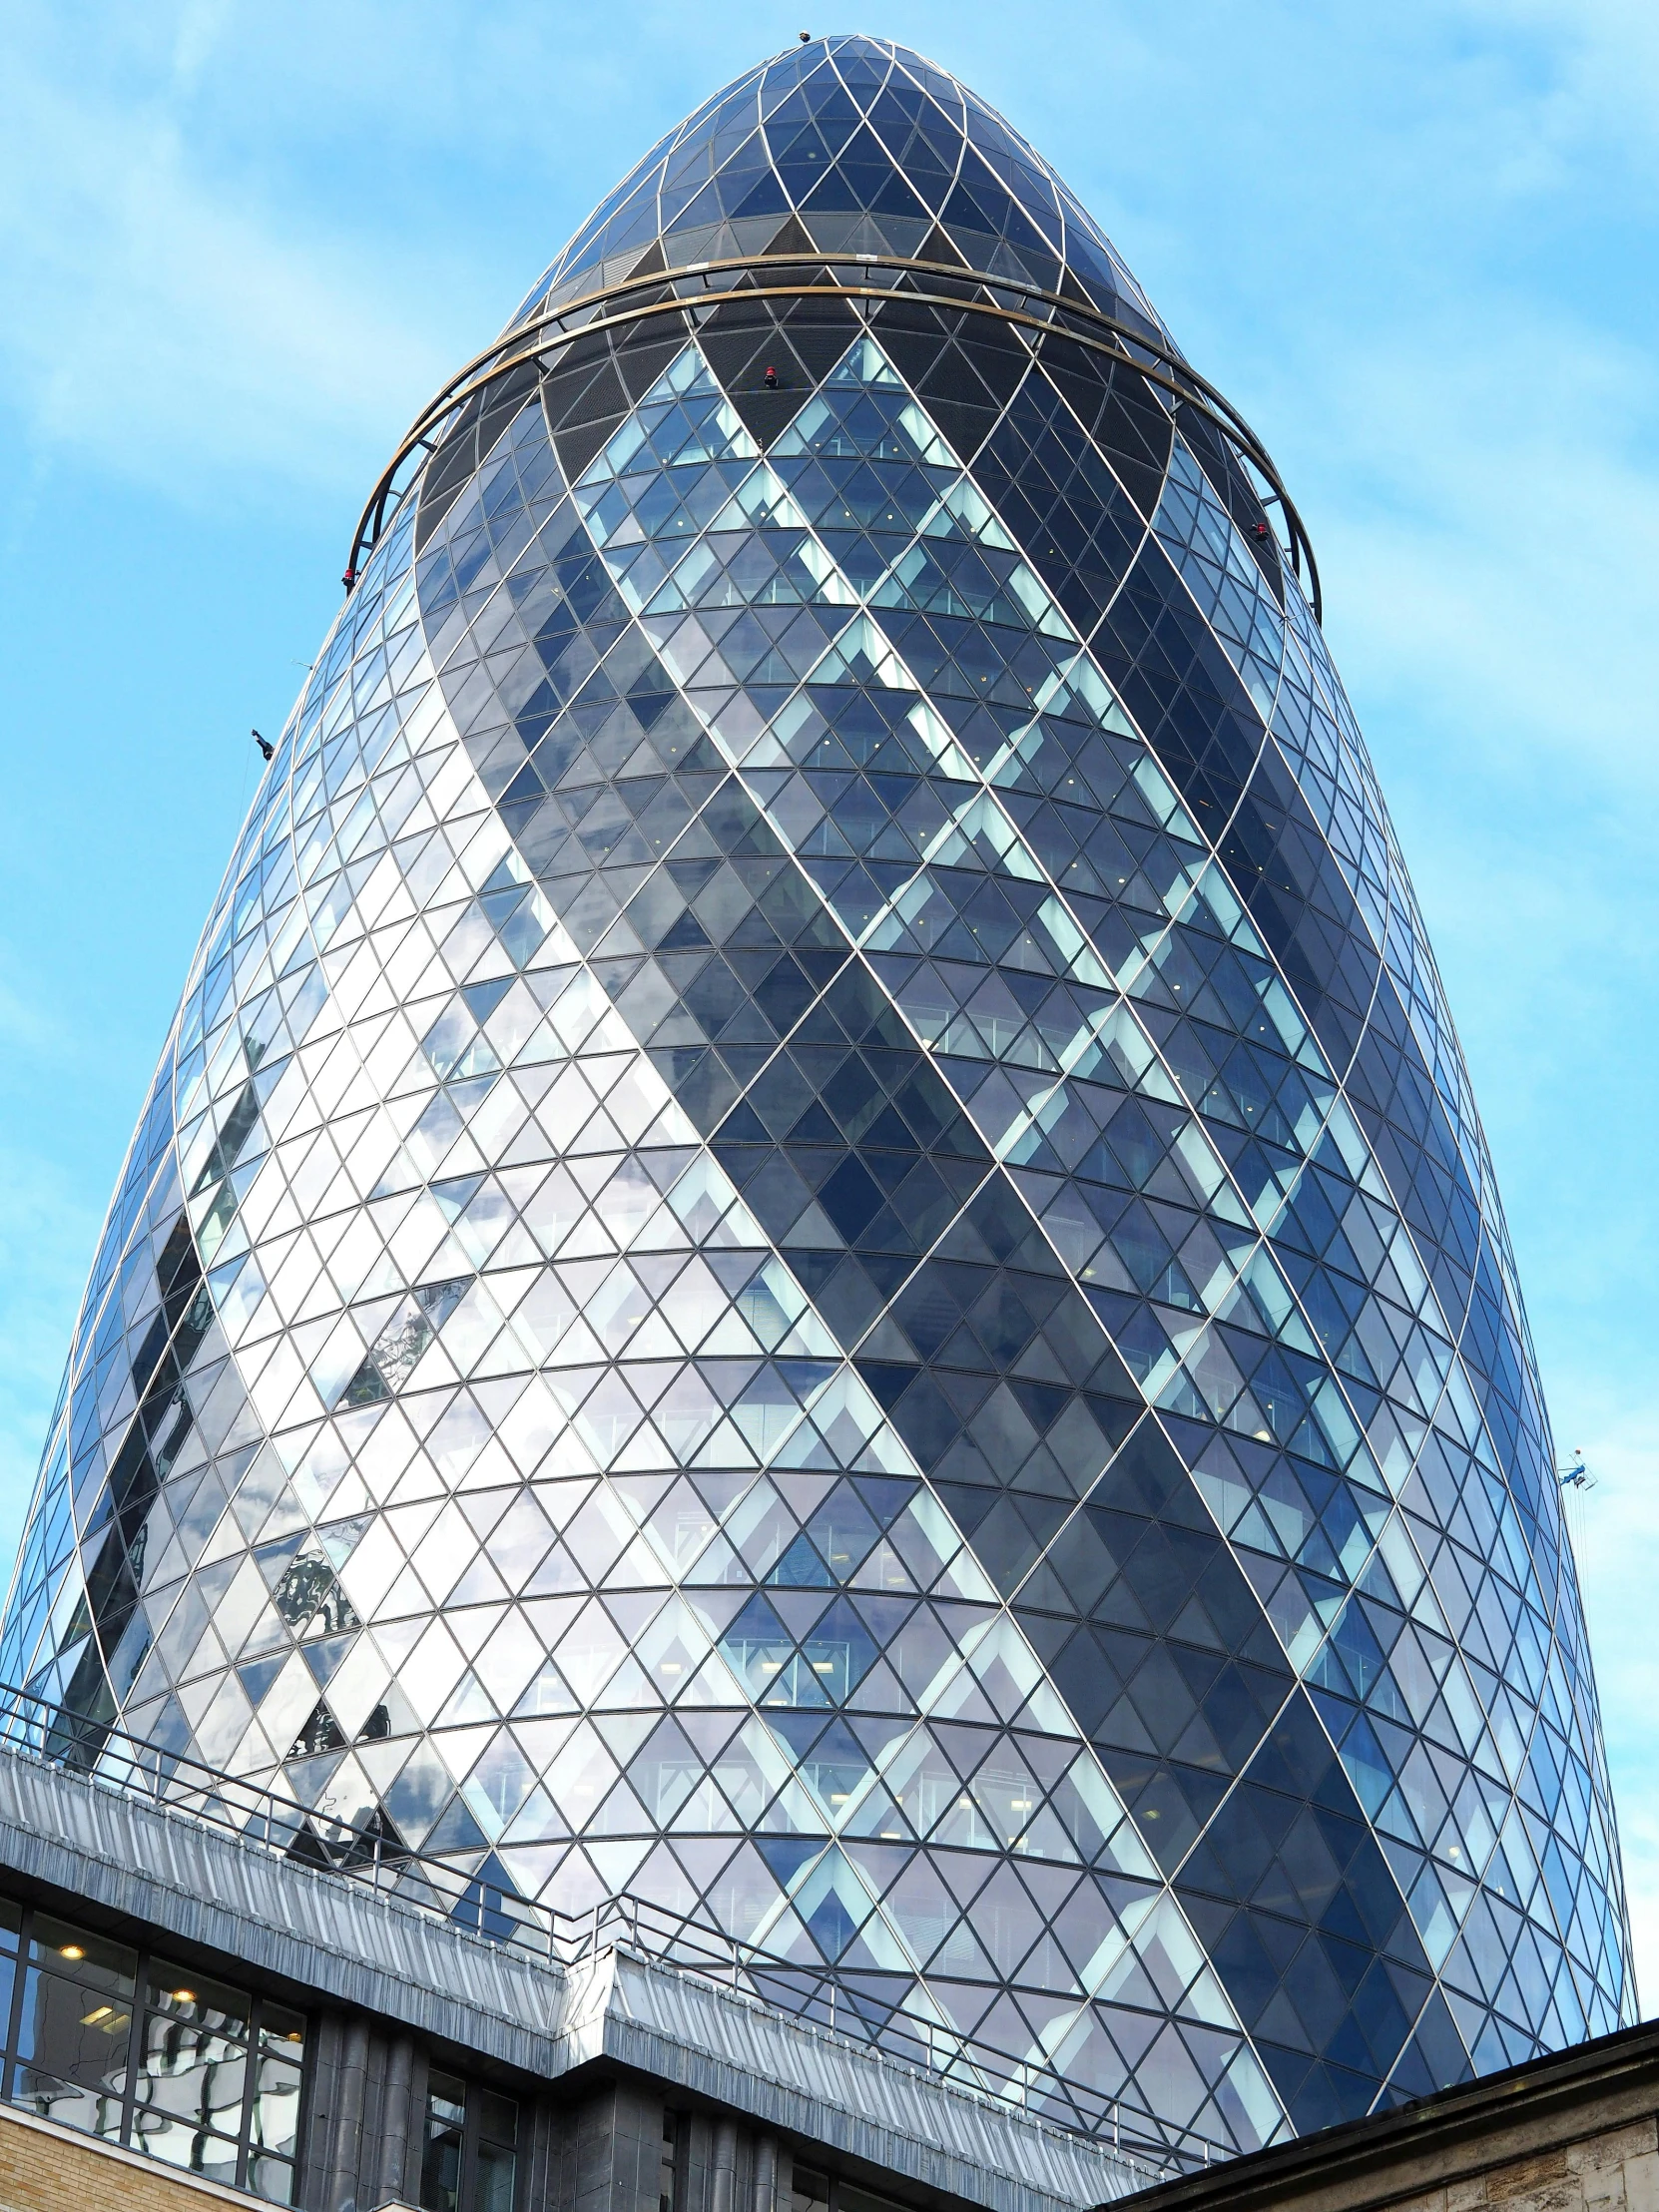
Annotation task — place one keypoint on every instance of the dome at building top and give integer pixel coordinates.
(847, 144)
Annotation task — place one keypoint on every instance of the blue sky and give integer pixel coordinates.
(238, 246)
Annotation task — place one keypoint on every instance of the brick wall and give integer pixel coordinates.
(44, 2168)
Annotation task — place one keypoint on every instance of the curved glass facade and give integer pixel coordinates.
(813, 1243)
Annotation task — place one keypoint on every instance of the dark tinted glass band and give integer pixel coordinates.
(1119, 342)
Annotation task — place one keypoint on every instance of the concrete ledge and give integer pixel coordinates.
(201, 1884)
(787, 2074)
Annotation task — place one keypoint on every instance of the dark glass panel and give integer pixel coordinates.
(445, 2137)
(73, 2043)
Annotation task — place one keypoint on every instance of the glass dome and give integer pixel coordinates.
(847, 145)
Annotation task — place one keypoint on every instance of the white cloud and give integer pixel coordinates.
(181, 334)
(1499, 536)
(1604, 78)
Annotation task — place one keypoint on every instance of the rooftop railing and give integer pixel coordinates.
(471, 1891)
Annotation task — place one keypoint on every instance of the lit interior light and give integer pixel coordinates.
(99, 2013)
(72, 1950)
(183, 1997)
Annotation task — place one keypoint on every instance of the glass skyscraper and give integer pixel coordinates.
(811, 1243)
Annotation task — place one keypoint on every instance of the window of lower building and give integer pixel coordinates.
(813, 2191)
(471, 2162)
(665, 2165)
(850, 2199)
(141, 2051)
(440, 2170)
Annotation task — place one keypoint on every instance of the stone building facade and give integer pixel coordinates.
(1578, 2132)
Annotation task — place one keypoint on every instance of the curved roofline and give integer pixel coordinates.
(1054, 215)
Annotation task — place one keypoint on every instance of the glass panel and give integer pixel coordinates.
(862, 2200)
(10, 1917)
(196, 2000)
(272, 2178)
(74, 2044)
(497, 2118)
(440, 2169)
(276, 2122)
(282, 2030)
(493, 2189)
(180, 2141)
(92, 1959)
(191, 2073)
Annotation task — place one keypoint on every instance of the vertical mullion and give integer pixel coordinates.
(467, 2187)
(419, 2080)
(134, 2047)
(14, 2011)
(245, 2133)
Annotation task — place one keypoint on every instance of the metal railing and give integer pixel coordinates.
(470, 1891)
(871, 280)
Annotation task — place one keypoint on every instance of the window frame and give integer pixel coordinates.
(466, 2185)
(12, 2062)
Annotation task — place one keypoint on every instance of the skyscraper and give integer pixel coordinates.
(811, 1243)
